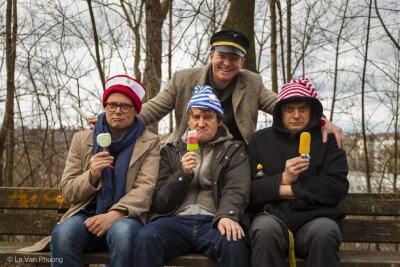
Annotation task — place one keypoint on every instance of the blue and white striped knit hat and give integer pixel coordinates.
(204, 97)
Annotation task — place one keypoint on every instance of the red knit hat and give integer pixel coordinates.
(297, 88)
(125, 85)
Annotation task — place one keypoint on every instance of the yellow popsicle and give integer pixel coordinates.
(305, 142)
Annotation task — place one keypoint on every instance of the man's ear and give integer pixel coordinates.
(211, 54)
(243, 62)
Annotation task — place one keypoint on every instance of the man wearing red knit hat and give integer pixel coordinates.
(294, 197)
(241, 92)
(108, 180)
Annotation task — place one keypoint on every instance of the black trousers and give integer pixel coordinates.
(318, 241)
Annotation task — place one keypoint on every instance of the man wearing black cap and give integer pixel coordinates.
(241, 92)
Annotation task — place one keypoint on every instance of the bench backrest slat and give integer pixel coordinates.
(371, 231)
(372, 204)
(28, 224)
(31, 198)
(372, 218)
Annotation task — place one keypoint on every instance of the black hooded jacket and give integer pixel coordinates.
(317, 191)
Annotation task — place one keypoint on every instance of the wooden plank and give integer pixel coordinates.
(192, 260)
(371, 231)
(28, 224)
(348, 258)
(369, 258)
(371, 204)
(31, 198)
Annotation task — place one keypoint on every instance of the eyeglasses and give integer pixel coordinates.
(112, 107)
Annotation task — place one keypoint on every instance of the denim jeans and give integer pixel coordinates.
(174, 236)
(71, 238)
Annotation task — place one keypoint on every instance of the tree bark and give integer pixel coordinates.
(155, 15)
(135, 26)
(241, 18)
(7, 129)
(363, 123)
(282, 42)
(337, 61)
(96, 45)
(396, 44)
(274, 66)
(289, 40)
(396, 129)
(170, 37)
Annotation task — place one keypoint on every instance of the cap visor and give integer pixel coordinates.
(230, 50)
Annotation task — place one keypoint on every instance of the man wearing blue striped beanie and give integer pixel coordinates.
(202, 191)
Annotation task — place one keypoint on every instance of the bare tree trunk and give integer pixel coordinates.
(213, 20)
(274, 67)
(385, 28)
(96, 45)
(241, 18)
(396, 128)
(7, 129)
(289, 40)
(337, 61)
(10, 153)
(42, 109)
(170, 37)
(282, 42)
(135, 26)
(25, 143)
(363, 123)
(397, 109)
(155, 15)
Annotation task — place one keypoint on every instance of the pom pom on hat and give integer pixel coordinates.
(125, 85)
(297, 88)
(204, 97)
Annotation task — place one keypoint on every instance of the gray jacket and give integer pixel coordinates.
(230, 181)
(249, 96)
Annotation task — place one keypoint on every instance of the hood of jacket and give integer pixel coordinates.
(316, 114)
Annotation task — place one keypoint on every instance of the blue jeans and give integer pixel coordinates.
(170, 237)
(71, 238)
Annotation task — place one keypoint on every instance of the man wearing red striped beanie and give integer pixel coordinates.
(241, 92)
(109, 179)
(293, 197)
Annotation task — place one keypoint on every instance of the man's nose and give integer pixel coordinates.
(201, 122)
(118, 110)
(296, 113)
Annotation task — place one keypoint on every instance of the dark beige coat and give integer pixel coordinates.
(141, 179)
(249, 96)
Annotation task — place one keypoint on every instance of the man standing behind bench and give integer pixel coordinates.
(200, 198)
(109, 191)
(296, 192)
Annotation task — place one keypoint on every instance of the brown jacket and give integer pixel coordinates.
(249, 96)
(141, 179)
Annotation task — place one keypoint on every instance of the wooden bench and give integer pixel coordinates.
(372, 218)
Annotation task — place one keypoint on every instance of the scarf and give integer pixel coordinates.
(114, 179)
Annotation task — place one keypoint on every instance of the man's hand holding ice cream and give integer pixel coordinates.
(189, 159)
(100, 160)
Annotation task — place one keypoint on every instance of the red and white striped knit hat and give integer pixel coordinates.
(125, 85)
(298, 88)
(297, 91)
